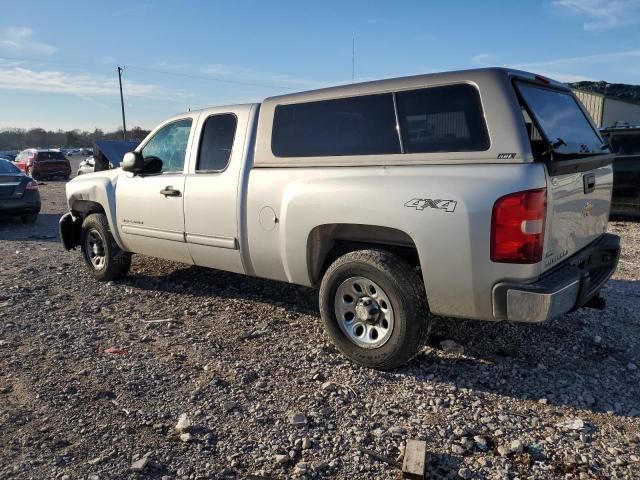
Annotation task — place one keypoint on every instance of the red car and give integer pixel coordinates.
(40, 164)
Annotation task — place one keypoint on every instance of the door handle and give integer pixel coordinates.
(589, 183)
(169, 191)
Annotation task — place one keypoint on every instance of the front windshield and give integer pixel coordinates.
(560, 119)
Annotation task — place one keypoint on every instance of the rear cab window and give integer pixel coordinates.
(216, 143)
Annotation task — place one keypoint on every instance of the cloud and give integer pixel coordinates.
(484, 59)
(603, 14)
(569, 69)
(624, 63)
(19, 40)
(236, 73)
(83, 85)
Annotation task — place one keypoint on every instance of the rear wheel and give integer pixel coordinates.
(105, 260)
(372, 304)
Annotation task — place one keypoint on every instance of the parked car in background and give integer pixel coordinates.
(41, 164)
(625, 142)
(19, 195)
(459, 194)
(86, 166)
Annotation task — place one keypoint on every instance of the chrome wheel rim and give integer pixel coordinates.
(364, 312)
(94, 248)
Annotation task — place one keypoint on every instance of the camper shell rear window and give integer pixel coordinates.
(556, 122)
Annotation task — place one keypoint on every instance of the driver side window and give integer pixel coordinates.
(169, 145)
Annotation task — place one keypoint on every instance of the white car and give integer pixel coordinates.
(87, 166)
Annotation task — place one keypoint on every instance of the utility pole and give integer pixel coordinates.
(124, 123)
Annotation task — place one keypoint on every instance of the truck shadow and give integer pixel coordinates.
(587, 359)
(579, 360)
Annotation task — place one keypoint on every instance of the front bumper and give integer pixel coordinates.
(565, 288)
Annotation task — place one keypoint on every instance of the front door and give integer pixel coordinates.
(150, 205)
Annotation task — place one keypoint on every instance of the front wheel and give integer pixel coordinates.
(373, 306)
(105, 260)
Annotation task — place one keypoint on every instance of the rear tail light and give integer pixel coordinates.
(32, 185)
(517, 227)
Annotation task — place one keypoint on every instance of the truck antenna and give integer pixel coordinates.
(353, 58)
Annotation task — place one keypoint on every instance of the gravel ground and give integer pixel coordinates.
(181, 372)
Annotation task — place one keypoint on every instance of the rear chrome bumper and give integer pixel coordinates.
(565, 288)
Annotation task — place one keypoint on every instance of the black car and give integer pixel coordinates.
(19, 195)
(625, 142)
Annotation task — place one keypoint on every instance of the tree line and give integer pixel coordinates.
(19, 138)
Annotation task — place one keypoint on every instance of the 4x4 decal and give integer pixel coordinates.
(422, 203)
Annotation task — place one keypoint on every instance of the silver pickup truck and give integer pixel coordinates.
(481, 194)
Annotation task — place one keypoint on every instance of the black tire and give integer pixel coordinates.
(404, 289)
(115, 263)
(30, 218)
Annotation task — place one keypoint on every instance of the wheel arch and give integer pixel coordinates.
(96, 194)
(328, 242)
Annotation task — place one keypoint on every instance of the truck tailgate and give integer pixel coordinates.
(577, 212)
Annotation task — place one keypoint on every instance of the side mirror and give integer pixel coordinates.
(133, 162)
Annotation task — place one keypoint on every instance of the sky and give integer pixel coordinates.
(58, 59)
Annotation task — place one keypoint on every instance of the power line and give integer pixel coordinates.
(213, 79)
(153, 70)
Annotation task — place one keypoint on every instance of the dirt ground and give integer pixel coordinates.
(94, 378)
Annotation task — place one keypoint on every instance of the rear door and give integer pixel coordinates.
(211, 198)
(580, 174)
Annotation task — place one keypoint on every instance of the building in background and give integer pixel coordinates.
(607, 111)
